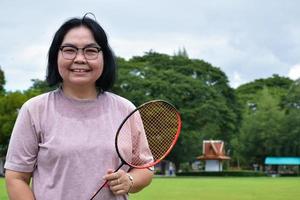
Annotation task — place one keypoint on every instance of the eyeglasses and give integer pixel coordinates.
(70, 52)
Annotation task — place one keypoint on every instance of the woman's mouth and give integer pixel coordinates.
(80, 70)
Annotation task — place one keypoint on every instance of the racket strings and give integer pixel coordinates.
(160, 123)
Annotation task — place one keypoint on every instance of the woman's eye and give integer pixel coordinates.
(91, 50)
(69, 50)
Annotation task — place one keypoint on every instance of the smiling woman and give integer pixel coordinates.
(80, 69)
(64, 139)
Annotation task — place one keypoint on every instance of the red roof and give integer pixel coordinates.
(213, 150)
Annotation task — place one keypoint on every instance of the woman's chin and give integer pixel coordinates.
(81, 82)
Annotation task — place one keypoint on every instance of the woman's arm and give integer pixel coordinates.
(17, 184)
(141, 179)
(120, 182)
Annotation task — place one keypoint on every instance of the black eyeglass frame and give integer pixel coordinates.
(99, 49)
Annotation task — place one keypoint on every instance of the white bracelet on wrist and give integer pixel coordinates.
(131, 180)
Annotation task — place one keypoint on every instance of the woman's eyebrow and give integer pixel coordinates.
(88, 45)
(68, 45)
(92, 45)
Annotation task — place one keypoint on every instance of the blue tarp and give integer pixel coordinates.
(282, 161)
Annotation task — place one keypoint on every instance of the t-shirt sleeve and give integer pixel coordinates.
(23, 146)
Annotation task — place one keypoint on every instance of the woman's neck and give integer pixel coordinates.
(80, 92)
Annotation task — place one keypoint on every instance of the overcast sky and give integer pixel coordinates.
(247, 39)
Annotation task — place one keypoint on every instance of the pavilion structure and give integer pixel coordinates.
(282, 165)
(213, 155)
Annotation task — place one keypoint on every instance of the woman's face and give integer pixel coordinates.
(79, 71)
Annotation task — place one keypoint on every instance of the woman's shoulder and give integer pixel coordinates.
(39, 100)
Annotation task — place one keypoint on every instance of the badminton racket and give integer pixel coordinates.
(147, 135)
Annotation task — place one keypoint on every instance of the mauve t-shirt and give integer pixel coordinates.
(68, 144)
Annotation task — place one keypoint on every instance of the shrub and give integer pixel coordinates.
(223, 173)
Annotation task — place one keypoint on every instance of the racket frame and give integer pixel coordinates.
(148, 165)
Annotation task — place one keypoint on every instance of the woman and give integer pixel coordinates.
(64, 140)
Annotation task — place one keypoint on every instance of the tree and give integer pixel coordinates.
(9, 107)
(2, 82)
(291, 124)
(292, 99)
(264, 118)
(290, 134)
(39, 86)
(261, 130)
(182, 52)
(276, 85)
(10, 103)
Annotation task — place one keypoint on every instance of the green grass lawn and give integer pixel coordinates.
(264, 188)
(3, 195)
(221, 188)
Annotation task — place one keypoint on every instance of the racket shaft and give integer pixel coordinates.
(102, 186)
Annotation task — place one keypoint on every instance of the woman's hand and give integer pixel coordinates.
(119, 182)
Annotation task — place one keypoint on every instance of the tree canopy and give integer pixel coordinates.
(270, 120)
(2, 81)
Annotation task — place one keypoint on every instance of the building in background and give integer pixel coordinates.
(282, 165)
(213, 155)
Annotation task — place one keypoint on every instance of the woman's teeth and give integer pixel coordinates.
(80, 70)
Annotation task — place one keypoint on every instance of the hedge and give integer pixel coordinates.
(223, 173)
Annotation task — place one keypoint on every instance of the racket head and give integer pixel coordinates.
(148, 134)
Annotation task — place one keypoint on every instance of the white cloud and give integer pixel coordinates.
(294, 72)
(236, 79)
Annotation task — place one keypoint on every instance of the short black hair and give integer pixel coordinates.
(107, 78)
